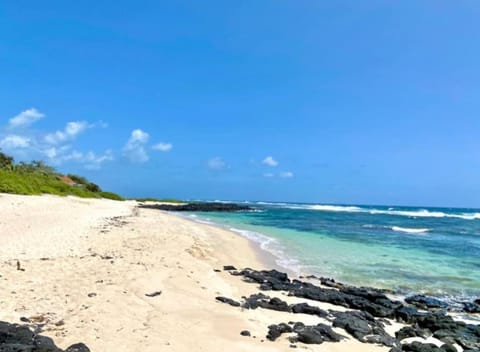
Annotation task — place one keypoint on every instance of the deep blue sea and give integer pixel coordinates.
(427, 250)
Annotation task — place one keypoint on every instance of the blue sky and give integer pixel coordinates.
(370, 102)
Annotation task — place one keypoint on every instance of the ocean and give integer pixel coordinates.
(434, 251)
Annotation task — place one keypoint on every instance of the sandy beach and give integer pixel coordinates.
(82, 270)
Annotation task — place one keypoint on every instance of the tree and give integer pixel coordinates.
(92, 187)
(6, 161)
(40, 167)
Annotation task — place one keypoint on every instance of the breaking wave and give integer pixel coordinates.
(421, 213)
(408, 230)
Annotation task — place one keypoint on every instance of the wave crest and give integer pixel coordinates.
(409, 230)
(420, 213)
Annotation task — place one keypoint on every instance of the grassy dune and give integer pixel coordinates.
(37, 178)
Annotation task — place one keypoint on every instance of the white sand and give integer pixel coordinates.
(70, 248)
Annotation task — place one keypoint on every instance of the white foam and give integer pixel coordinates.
(348, 209)
(421, 213)
(266, 243)
(272, 246)
(408, 230)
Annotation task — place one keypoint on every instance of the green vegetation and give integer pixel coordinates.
(38, 178)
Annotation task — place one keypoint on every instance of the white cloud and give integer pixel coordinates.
(134, 149)
(163, 147)
(75, 127)
(14, 141)
(51, 152)
(74, 155)
(90, 160)
(286, 174)
(216, 163)
(270, 161)
(138, 136)
(71, 130)
(268, 174)
(25, 118)
(93, 161)
(100, 124)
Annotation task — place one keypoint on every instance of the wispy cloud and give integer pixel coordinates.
(163, 147)
(286, 174)
(134, 149)
(71, 130)
(25, 118)
(14, 141)
(55, 147)
(89, 160)
(270, 161)
(216, 163)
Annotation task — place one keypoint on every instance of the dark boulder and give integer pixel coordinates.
(228, 301)
(78, 347)
(262, 301)
(19, 338)
(363, 326)
(317, 334)
(426, 302)
(274, 331)
(424, 347)
(410, 331)
(408, 315)
(471, 307)
(305, 308)
(446, 329)
(268, 280)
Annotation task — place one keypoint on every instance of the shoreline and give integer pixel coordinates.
(270, 260)
(117, 277)
(267, 258)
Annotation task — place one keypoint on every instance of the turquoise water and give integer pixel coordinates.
(428, 250)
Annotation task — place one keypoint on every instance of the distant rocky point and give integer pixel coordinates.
(198, 206)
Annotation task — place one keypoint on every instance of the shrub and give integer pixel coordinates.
(110, 195)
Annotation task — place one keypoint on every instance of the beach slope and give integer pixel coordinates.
(120, 278)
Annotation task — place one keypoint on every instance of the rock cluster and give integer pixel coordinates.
(16, 338)
(367, 318)
(200, 206)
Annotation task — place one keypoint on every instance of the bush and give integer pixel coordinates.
(110, 195)
(37, 178)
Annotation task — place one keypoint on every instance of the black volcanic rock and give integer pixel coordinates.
(317, 334)
(424, 347)
(262, 301)
(471, 307)
(425, 302)
(19, 338)
(363, 323)
(245, 333)
(410, 331)
(446, 329)
(305, 308)
(200, 206)
(274, 331)
(228, 301)
(78, 347)
(408, 315)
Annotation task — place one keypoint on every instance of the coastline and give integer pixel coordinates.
(265, 257)
(121, 278)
